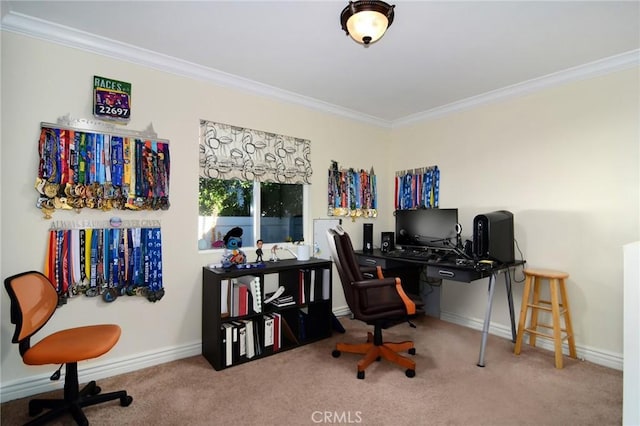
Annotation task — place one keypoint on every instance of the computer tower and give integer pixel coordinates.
(367, 237)
(386, 242)
(493, 236)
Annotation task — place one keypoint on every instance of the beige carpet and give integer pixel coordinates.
(307, 386)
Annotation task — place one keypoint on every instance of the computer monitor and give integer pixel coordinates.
(433, 228)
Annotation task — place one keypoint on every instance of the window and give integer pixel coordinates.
(251, 179)
(224, 204)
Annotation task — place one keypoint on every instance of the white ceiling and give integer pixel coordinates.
(436, 53)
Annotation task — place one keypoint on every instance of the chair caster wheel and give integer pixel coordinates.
(336, 353)
(96, 390)
(412, 351)
(126, 401)
(361, 375)
(410, 373)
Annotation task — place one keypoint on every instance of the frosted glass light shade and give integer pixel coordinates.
(367, 26)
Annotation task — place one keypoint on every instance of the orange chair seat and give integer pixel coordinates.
(74, 344)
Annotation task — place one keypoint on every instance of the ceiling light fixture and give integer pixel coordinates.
(366, 21)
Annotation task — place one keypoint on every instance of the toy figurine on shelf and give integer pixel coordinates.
(259, 251)
(233, 256)
(274, 255)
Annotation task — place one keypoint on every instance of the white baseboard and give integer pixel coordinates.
(342, 312)
(32, 385)
(596, 356)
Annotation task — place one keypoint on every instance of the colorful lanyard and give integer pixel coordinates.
(114, 276)
(117, 161)
(107, 262)
(137, 256)
(82, 158)
(153, 263)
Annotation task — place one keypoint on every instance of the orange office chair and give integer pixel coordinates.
(33, 301)
(380, 302)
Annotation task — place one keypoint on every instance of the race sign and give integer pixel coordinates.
(111, 99)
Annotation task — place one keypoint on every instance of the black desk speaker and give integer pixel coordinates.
(367, 237)
(386, 242)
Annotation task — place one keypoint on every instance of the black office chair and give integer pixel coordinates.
(378, 301)
(33, 301)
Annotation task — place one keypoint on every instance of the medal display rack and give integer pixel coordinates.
(90, 164)
(96, 258)
(352, 192)
(417, 189)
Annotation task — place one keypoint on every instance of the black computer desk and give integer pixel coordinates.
(448, 269)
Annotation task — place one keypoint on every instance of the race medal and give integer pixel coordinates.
(110, 295)
(51, 189)
(68, 190)
(91, 292)
(48, 213)
(65, 203)
(40, 185)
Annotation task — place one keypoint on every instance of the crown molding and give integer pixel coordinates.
(597, 68)
(82, 40)
(70, 37)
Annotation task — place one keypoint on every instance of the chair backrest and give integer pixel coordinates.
(33, 301)
(346, 263)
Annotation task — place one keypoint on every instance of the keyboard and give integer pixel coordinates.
(412, 254)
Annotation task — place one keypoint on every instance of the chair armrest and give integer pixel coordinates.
(410, 304)
(374, 283)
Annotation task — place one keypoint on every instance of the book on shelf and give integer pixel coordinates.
(228, 343)
(242, 339)
(316, 293)
(312, 286)
(302, 283)
(240, 299)
(276, 330)
(249, 336)
(223, 345)
(224, 298)
(268, 331)
(254, 291)
(283, 301)
(235, 347)
(326, 284)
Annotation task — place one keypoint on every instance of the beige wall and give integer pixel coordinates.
(565, 162)
(43, 81)
(574, 209)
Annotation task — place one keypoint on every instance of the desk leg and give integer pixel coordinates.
(487, 319)
(507, 281)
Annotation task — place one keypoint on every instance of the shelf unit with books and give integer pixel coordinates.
(234, 332)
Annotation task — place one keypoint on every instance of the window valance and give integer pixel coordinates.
(232, 152)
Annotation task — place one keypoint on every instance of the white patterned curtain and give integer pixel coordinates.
(232, 152)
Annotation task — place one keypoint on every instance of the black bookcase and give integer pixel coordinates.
(309, 319)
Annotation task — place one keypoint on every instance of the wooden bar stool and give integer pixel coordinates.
(558, 306)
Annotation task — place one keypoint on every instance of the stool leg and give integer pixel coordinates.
(523, 315)
(533, 325)
(555, 309)
(567, 320)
